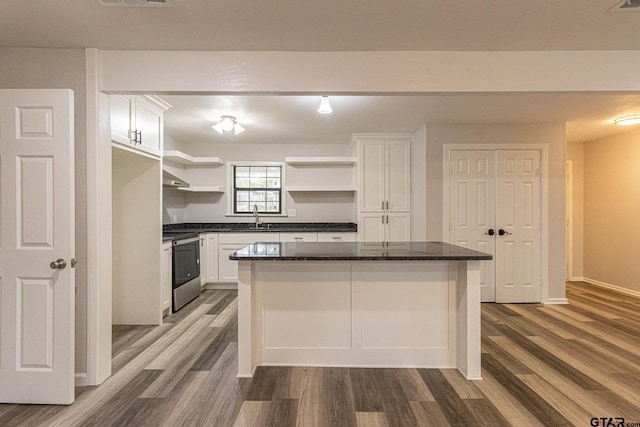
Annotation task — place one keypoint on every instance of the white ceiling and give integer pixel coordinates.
(295, 119)
(343, 25)
(327, 25)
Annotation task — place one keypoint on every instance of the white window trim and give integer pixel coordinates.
(230, 192)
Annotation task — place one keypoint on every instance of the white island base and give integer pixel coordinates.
(423, 314)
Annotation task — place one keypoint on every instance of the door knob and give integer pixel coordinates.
(491, 232)
(503, 232)
(58, 264)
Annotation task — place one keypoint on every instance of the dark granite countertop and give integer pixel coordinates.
(246, 227)
(357, 251)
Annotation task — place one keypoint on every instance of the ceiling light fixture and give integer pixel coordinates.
(627, 120)
(228, 124)
(325, 107)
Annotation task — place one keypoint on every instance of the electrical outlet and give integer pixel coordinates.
(292, 212)
(174, 219)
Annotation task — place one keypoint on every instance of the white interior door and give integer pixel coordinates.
(495, 207)
(518, 217)
(36, 228)
(472, 209)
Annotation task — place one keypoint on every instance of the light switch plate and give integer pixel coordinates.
(292, 212)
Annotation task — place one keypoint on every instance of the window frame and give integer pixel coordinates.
(231, 188)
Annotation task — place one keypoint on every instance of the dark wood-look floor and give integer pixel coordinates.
(541, 365)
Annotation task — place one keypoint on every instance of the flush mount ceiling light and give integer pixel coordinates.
(325, 107)
(627, 120)
(228, 124)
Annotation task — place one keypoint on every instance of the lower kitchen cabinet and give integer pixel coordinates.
(228, 243)
(384, 227)
(298, 237)
(337, 237)
(165, 277)
(204, 259)
(210, 273)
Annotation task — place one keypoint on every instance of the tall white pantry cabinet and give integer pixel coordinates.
(384, 188)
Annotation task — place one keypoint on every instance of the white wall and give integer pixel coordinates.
(32, 68)
(136, 239)
(418, 185)
(611, 208)
(552, 134)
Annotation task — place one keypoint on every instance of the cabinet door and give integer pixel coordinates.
(204, 259)
(148, 122)
(212, 261)
(166, 278)
(371, 228)
(337, 237)
(372, 182)
(122, 118)
(398, 227)
(298, 237)
(398, 176)
(228, 269)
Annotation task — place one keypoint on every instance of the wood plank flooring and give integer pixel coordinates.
(556, 365)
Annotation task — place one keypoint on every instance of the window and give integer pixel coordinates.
(259, 186)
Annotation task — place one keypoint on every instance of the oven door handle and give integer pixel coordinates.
(185, 241)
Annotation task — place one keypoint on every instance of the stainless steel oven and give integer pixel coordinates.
(186, 271)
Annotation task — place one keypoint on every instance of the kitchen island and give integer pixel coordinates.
(413, 304)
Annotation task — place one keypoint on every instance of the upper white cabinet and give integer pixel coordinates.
(137, 122)
(384, 174)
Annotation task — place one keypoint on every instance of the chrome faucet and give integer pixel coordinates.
(256, 215)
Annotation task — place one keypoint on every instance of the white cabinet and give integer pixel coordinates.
(137, 122)
(384, 227)
(166, 277)
(228, 243)
(228, 269)
(384, 202)
(298, 237)
(208, 258)
(204, 259)
(210, 274)
(337, 237)
(384, 174)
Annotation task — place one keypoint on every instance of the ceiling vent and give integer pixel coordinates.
(626, 6)
(137, 3)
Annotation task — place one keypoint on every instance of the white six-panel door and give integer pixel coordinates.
(36, 228)
(495, 207)
(518, 251)
(472, 209)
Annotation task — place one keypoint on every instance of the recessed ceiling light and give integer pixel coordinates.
(627, 120)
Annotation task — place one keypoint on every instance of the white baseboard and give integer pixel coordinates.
(612, 287)
(221, 286)
(81, 379)
(577, 279)
(556, 301)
